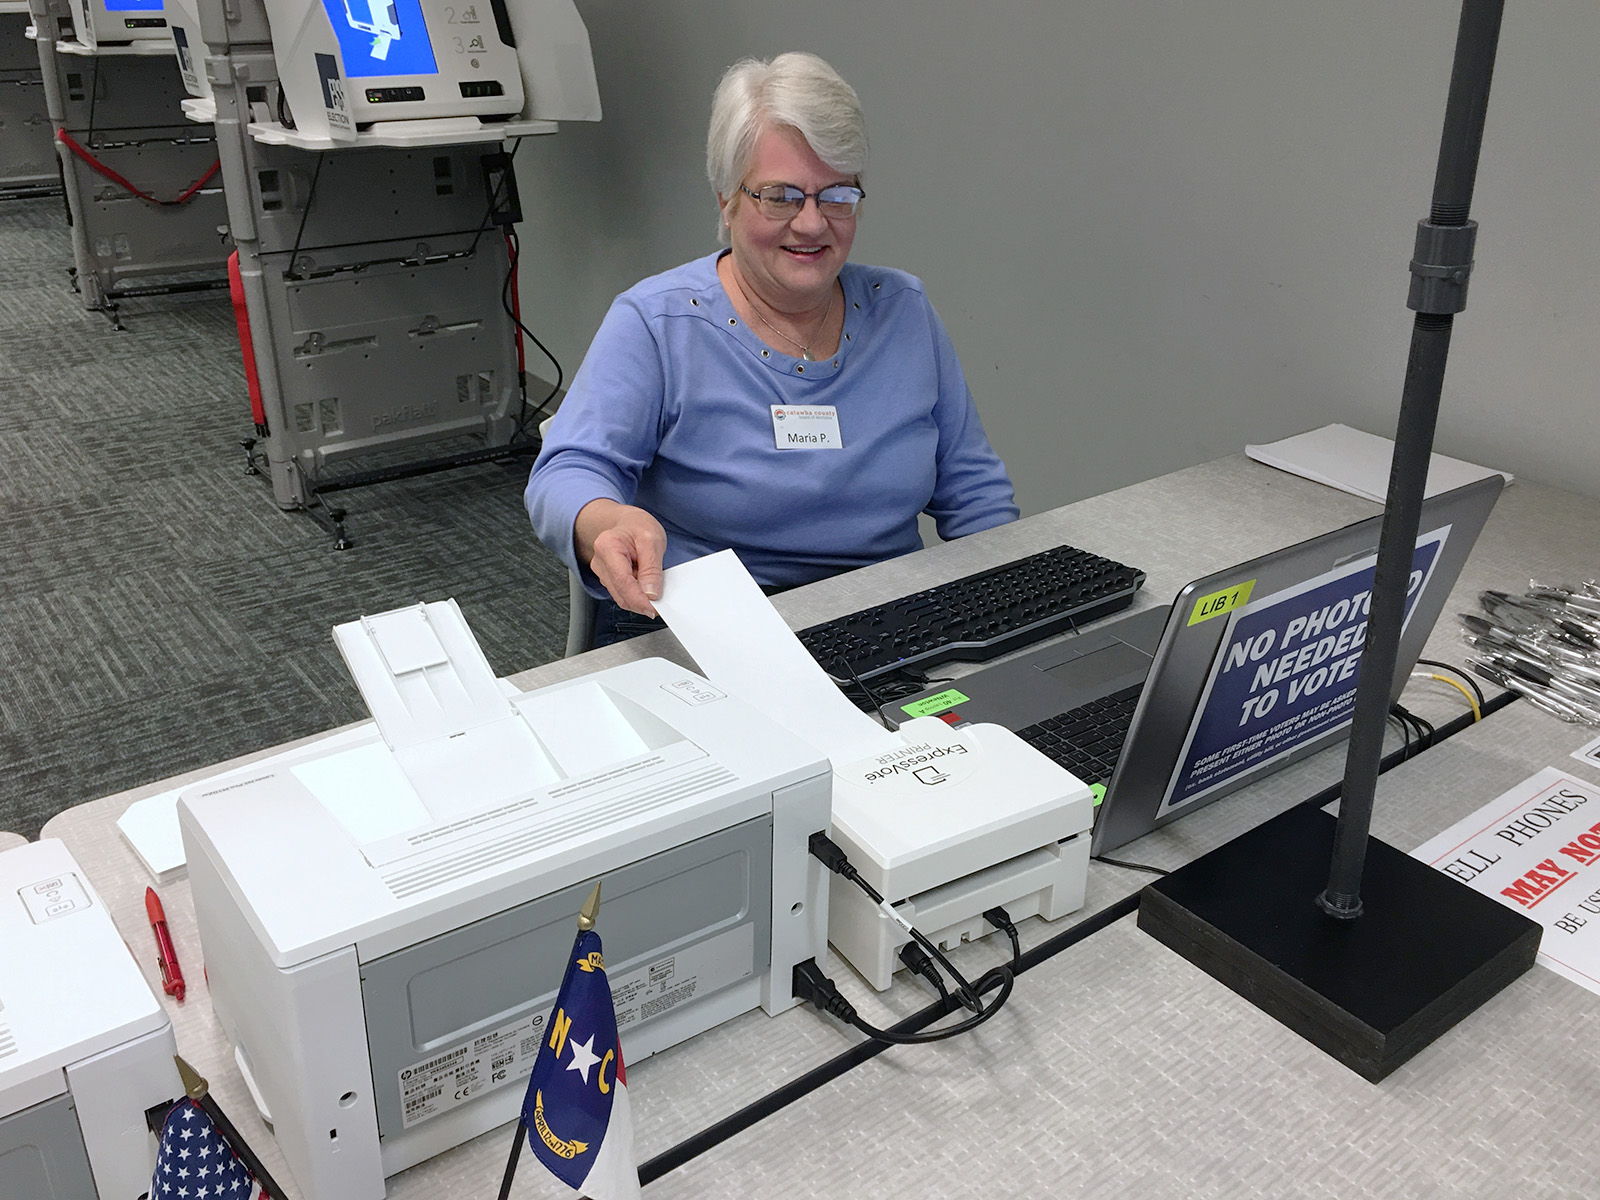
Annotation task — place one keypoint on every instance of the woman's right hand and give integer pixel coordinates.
(623, 546)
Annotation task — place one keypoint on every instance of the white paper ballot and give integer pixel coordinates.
(582, 727)
(742, 645)
(151, 828)
(365, 790)
(1357, 462)
(150, 825)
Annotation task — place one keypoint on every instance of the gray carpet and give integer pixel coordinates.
(158, 612)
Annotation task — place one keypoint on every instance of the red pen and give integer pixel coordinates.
(171, 973)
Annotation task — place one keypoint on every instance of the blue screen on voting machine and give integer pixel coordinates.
(133, 5)
(382, 37)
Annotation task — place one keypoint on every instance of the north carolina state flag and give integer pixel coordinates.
(576, 1109)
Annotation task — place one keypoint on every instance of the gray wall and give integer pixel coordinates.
(1157, 229)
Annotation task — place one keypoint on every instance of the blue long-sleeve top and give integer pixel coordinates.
(672, 411)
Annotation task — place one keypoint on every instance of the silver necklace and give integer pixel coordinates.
(805, 351)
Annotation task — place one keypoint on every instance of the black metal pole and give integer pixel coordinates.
(1439, 272)
(511, 1160)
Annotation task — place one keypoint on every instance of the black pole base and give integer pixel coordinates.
(1370, 991)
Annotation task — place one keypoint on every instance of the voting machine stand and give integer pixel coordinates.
(1390, 953)
(112, 93)
(371, 216)
(27, 143)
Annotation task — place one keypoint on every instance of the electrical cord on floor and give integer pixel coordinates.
(812, 986)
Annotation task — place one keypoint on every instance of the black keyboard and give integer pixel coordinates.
(977, 617)
(1087, 740)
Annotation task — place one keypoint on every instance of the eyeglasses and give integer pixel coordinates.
(783, 201)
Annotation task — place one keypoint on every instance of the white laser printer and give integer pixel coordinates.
(85, 1047)
(385, 926)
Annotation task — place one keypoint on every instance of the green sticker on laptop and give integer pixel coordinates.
(929, 705)
(1098, 790)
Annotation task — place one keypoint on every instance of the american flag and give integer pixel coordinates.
(193, 1161)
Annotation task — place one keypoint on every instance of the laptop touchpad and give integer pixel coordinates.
(1100, 666)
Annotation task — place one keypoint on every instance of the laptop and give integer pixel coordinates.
(1167, 709)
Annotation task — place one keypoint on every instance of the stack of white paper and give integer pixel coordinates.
(150, 826)
(1358, 462)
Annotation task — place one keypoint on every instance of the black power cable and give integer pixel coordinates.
(917, 960)
(1131, 866)
(1393, 759)
(811, 985)
(524, 418)
(780, 1098)
(1001, 920)
(300, 232)
(829, 854)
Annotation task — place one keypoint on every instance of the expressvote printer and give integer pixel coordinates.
(944, 823)
(947, 824)
(85, 1047)
(385, 924)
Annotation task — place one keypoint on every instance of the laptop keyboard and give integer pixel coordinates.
(977, 617)
(1087, 740)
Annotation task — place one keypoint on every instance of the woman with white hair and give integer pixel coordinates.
(771, 397)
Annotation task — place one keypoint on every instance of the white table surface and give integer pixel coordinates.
(1117, 1068)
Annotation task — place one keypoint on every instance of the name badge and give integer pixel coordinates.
(806, 427)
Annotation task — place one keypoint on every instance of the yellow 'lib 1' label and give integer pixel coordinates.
(1218, 603)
